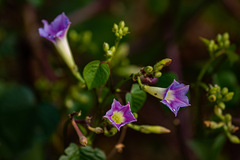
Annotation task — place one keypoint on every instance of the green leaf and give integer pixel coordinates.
(208, 148)
(96, 74)
(136, 98)
(87, 153)
(72, 153)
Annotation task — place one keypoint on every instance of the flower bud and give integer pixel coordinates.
(221, 105)
(157, 74)
(228, 118)
(120, 31)
(105, 46)
(234, 139)
(224, 91)
(225, 36)
(148, 69)
(219, 37)
(154, 129)
(125, 30)
(113, 49)
(115, 27)
(83, 141)
(218, 111)
(212, 98)
(121, 24)
(228, 96)
(226, 43)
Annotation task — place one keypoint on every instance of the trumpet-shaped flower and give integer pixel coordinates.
(173, 97)
(57, 29)
(56, 32)
(119, 115)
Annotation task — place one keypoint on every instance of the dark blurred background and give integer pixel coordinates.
(37, 91)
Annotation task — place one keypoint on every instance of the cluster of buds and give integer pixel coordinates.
(219, 96)
(120, 30)
(222, 42)
(150, 72)
(109, 51)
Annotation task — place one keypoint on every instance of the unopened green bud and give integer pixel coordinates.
(225, 36)
(117, 34)
(109, 53)
(121, 24)
(234, 139)
(154, 129)
(211, 45)
(224, 91)
(148, 69)
(157, 74)
(218, 111)
(105, 46)
(115, 27)
(228, 118)
(212, 98)
(113, 131)
(226, 43)
(219, 37)
(113, 49)
(120, 31)
(228, 96)
(221, 105)
(125, 30)
(213, 125)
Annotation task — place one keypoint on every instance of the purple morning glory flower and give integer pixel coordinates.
(173, 97)
(119, 115)
(57, 29)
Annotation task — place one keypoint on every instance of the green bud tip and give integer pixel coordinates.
(212, 98)
(228, 117)
(120, 31)
(226, 43)
(121, 24)
(115, 27)
(234, 139)
(113, 49)
(125, 30)
(224, 91)
(148, 69)
(219, 37)
(226, 36)
(221, 105)
(105, 46)
(228, 96)
(157, 74)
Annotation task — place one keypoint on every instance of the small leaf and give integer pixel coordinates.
(72, 153)
(96, 74)
(136, 98)
(87, 153)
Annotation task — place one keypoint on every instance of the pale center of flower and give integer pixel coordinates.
(170, 96)
(117, 117)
